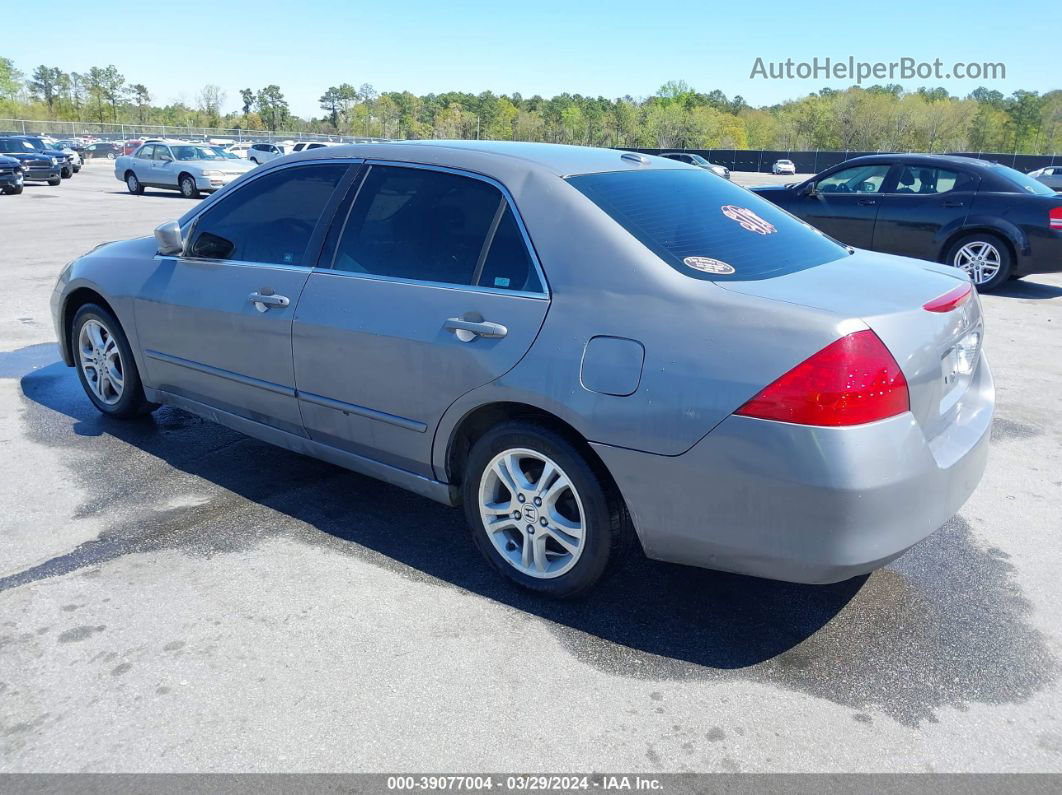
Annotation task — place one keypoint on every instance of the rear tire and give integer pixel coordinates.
(573, 528)
(985, 257)
(133, 184)
(105, 364)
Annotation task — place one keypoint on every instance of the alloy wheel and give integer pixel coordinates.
(980, 259)
(101, 362)
(532, 513)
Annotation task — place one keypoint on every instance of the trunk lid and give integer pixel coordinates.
(888, 294)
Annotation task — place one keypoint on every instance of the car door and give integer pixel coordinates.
(923, 204)
(431, 290)
(215, 322)
(142, 164)
(845, 203)
(164, 168)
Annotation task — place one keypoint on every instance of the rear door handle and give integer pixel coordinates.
(485, 329)
(265, 299)
(867, 202)
(953, 204)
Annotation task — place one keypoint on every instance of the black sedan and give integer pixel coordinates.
(105, 149)
(697, 160)
(35, 166)
(990, 220)
(10, 175)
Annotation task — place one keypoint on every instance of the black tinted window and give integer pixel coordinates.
(418, 224)
(508, 264)
(269, 219)
(707, 227)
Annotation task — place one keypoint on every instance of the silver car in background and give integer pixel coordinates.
(583, 347)
(783, 167)
(1051, 176)
(192, 169)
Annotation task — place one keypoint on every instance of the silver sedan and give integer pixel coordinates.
(192, 169)
(587, 349)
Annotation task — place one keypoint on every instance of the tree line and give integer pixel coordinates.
(876, 118)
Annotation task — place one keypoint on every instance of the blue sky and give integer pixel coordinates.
(543, 47)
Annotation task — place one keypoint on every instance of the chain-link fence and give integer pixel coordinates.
(126, 132)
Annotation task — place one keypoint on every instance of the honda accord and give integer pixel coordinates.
(583, 347)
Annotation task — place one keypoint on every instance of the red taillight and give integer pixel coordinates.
(1054, 218)
(952, 299)
(849, 382)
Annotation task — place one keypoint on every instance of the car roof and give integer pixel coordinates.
(917, 157)
(558, 159)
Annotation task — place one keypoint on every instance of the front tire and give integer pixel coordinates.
(544, 515)
(188, 188)
(13, 191)
(105, 364)
(985, 257)
(66, 173)
(55, 181)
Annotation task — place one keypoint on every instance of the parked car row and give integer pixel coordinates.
(32, 159)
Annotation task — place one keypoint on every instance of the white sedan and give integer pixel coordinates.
(192, 169)
(783, 167)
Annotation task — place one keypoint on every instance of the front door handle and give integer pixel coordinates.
(467, 329)
(867, 202)
(267, 298)
(953, 203)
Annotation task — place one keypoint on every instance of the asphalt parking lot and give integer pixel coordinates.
(177, 597)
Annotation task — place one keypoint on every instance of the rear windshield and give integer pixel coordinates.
(1024, 181)
(706, 227)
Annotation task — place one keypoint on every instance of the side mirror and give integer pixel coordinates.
(808, 189)
(169, 238)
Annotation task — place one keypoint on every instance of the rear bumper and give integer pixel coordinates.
(1043, 254)
(805, 504)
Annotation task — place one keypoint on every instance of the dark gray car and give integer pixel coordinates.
(583, 347)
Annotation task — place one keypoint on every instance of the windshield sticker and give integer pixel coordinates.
(709, 265)
(748, 219)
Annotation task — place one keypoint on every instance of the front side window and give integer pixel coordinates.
(269, 219)
(163, 153)
(858, 179)
(433, 226)
(706, 227)
(928, 180)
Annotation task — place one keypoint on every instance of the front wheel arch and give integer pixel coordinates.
(77, 299)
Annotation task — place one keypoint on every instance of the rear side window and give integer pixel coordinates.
(705, 227)
(269, 219)
(434, 226)
(927, 180)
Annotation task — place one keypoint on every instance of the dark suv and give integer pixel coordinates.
(36, 166)
(10, 175)
(66, 162)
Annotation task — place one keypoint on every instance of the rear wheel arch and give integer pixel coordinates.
(481, 419)
(1003, 234)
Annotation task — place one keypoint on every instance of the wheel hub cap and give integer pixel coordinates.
(532, 513)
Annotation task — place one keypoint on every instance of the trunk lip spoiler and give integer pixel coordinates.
(950, 300)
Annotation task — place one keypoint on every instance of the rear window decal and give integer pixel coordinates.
(709, 265)
(748, 219)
